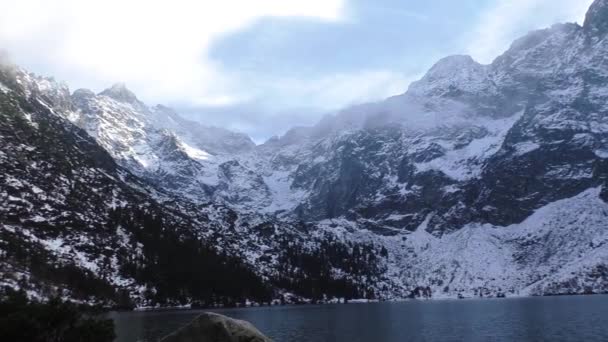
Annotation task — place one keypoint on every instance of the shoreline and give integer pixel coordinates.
(186, 308)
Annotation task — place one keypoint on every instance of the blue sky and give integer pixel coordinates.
(263, 66)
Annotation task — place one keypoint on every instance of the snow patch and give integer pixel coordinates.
(193, 152)
(4, 88)
(466, 162)
(525, 148)
(283, 196)
(555, 243)
(602, 154)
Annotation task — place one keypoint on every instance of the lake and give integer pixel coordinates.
(567, 318)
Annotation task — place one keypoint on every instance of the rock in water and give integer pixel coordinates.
(211, 327)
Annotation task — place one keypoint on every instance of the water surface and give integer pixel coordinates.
(578, 318)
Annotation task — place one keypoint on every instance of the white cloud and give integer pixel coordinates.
(337, 90)
(507, 20)
(159, 48)
(278, 104)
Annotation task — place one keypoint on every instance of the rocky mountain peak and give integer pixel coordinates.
(82, 98)
(596, 21)
(453, 66)
(83, 93)
(450, 62)
(164, 109)
(451, 74)
(121, 93)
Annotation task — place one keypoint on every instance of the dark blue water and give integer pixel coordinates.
(581, 318)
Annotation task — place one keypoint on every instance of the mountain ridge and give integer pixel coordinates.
(501, 164)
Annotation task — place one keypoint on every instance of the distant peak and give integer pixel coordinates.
(83, 93)
(460, 59)
(451, 64)
(119, 86)
(120, 92)
(596, 21)
(164, 109)
(452, 76)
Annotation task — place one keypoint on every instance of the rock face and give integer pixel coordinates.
(468, 143)
(596, 20)
(211, 327)
(75, 223)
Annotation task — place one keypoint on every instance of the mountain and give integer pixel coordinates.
(480, 180)
(75, 223)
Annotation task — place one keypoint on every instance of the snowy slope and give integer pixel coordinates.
(76, 224)
(560, 249)
(543, 254)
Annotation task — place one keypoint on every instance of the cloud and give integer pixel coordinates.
(157, 47)
(223, 63)
(277, 104)
(334, 91)
(160, 49)
(506, 20)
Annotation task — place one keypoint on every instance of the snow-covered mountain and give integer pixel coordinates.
(479, 180)
(75, 223)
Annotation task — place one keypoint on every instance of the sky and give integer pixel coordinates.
(263, 66)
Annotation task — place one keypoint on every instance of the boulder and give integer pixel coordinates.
(212, 327)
